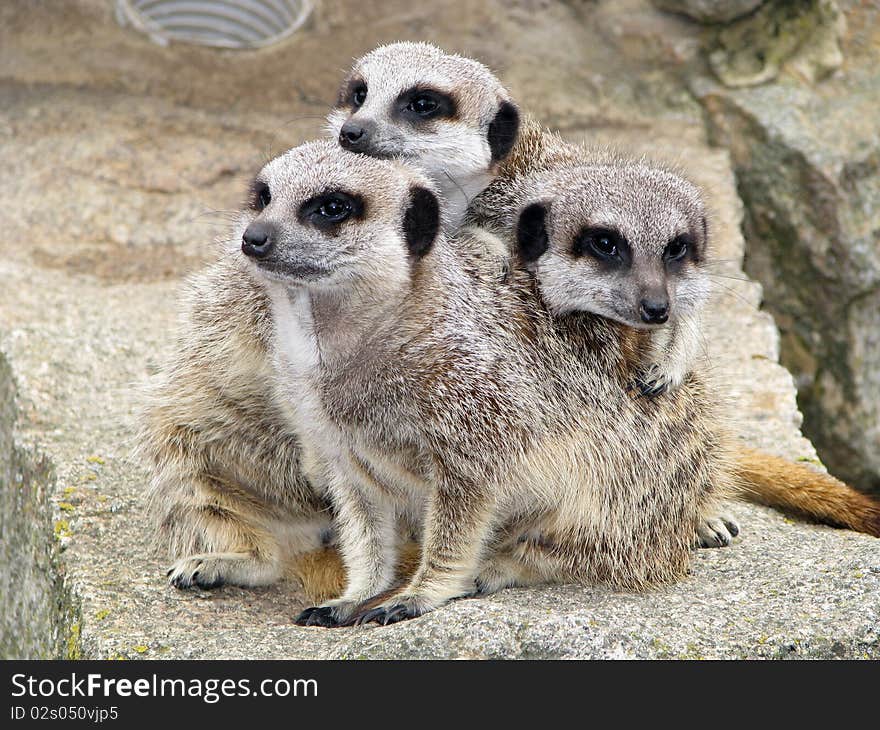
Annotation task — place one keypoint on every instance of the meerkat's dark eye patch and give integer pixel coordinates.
(260, 196)
(503, 131)
(353, 93)
(420, 104)
(603, 244)
(421, 221)
(329, 209)
(532, 239)
(678, 249)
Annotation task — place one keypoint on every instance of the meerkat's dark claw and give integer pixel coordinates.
(366, 617)
(323, 616)
(399, 612)
(717, 532)
(649, 389)
(386, 615)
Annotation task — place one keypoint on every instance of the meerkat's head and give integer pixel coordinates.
(445, 114)
(623, 239)
(321, 217)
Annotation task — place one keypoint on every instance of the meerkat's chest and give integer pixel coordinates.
(297, 361)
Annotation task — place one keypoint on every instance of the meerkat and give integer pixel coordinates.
(609, 271)
(429, 384)
(445, 114)
(386, 81)
(226, 492)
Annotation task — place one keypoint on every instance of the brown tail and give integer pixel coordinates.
(322, 573)
(796, 488)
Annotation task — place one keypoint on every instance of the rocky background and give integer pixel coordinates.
(122, 160)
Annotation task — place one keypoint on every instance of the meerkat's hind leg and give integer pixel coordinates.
(716, 530)
(512, 565)
(213, 546)
(212, 570)
(503, 571)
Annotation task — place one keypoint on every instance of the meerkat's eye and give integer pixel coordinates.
(260, 195)
(334, 210)
(359, 96)
(423, 105)
(604, 245)
(419, 104)
(330, 209)
(677, 249)
(600, 243)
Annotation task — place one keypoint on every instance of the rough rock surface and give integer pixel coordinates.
(807, 163)
(116, 152)
(30, 581)
(802, 37)
(710, 11)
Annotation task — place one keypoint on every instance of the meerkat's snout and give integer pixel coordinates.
(258, 240)
(355, 135)
(654, 308)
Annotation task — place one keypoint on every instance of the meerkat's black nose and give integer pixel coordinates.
(654, 311)
(353, 136)
(257, 240)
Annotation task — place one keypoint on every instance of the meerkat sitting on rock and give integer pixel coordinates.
(227, 494)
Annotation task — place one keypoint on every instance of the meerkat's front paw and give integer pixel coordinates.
(400, 607)
(652, 382)
(716, 531)
(328, 615)
(212, 570)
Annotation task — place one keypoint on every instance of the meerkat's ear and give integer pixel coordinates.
(421, 221)
(531, 232)
(503, 130)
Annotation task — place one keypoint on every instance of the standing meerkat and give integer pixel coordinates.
(429, 385)
(398, 102)
(226, 490)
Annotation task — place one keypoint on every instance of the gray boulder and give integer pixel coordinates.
(709, 11)
(808, 170)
